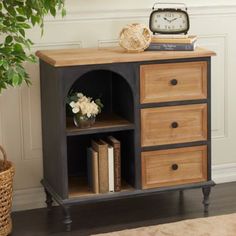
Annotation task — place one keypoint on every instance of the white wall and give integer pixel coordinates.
(97, 23)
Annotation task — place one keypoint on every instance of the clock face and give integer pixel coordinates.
(169, 21)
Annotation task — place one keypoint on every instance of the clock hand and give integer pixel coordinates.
(167, 19)
(174, 19)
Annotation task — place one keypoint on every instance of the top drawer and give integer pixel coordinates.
(173, 82)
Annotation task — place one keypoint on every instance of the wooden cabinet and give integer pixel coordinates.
(158, 104)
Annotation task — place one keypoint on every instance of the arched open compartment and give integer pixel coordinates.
(113, 90)
(116, 119)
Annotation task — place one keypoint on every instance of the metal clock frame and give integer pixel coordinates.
(169, 10)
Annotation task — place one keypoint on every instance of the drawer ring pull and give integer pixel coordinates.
(174, 82)
(174, 167)
(174, 125)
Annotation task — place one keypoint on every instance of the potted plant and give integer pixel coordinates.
(16, 17)
(84, 109)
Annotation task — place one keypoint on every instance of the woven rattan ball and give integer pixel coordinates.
(135, 37)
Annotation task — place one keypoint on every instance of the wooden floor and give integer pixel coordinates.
(128, 213)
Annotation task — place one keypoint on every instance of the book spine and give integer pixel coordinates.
(102, 150)
(95, 175)
(89, 167)
(171, 47)
(188, 40)
(103, 170)
(111, 168)
(117, 168)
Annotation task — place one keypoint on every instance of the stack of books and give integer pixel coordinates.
(173, 43)
(104, 165)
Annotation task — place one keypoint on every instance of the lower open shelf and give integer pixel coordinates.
(78, 187)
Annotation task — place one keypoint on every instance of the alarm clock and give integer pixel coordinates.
(169, 20)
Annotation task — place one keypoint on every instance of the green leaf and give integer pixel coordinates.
(5, 65)
(18, 48)
(8, 39)
(16, 79)
(22, 32)
(53, 11)
(63, 12)
(24, 25)
(21, 18)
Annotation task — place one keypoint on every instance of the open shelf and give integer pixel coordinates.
(104, 123)
(78, 187)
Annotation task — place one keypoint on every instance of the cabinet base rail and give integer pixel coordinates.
(67, 203)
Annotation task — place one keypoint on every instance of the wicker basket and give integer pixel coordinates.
(6, 186)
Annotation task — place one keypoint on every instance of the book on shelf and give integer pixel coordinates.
(189, 39)
(93, 174)
(102, 149)
(117, 162)
(172, 47)
(89, 168)
(111, 168)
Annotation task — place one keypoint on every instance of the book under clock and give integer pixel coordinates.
(171, 47)
(160, 43)
(174, 39)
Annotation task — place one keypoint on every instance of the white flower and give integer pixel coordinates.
(85, 106)
(72, 104)
(79, 95)
(75, 110)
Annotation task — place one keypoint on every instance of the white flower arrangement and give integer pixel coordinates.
(85, 106)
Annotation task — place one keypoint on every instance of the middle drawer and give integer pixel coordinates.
(174, 124)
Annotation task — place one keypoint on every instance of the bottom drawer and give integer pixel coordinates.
(174, 166)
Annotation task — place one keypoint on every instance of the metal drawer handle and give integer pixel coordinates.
(174, 167)
(174, 82)
(174, 125)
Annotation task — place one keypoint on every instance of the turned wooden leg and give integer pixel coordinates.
(206, 192)
(67, 218)
(49, 200)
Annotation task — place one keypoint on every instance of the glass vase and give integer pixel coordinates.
(82, 121)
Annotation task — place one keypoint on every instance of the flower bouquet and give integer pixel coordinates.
(85, 109)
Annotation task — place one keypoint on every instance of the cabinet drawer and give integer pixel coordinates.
(174, 124)
(173, 82)
(174, 166)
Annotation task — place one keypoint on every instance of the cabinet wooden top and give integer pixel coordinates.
(89, 56)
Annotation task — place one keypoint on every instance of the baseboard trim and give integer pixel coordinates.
(224, 173)
(35, 198)
(28, 199)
